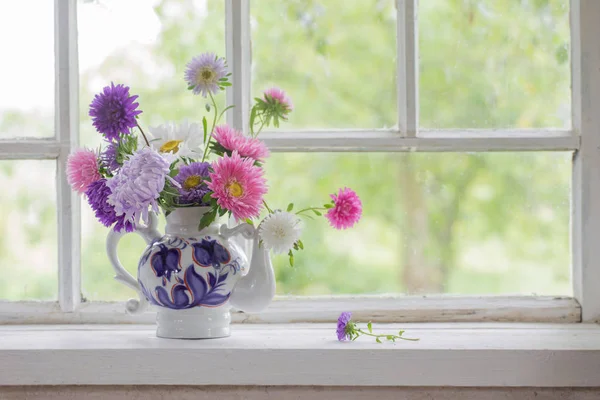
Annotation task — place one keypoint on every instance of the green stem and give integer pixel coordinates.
(310, 208)
(267, 207)
(143, 134)
(260, 128)
(212, 127)
(384, 336)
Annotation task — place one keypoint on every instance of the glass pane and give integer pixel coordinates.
(146, 48)
(28, 247)
(494, 64)
(490, 223)
(27, 79)
(432, 223)
(336, 59)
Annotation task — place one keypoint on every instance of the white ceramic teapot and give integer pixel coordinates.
(193, 277)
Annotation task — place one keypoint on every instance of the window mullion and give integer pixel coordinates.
(585, 59)
(407, 67)
(237, 28)
(67, 133)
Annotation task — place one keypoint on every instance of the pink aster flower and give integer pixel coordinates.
(234, 140)
(82, 169)
(238, 185)
(346, 210)
(279, 97)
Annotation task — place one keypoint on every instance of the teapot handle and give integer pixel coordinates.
(150, 234)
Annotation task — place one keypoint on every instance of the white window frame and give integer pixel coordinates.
(583, 139)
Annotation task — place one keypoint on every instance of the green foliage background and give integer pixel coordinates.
(433, 223)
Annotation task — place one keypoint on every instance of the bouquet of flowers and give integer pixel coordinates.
(189, 164)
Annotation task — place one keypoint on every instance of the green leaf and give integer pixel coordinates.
(300, 244)
(207, 219)
(290, 207)
(207, 106)
(370, 327)
(317, 213)
(378, 340)
(191, 87)
(222, 211)
(249, 221)
(224, 83)
(206, 198)
(291, 255)
(205, 127)
(328, 205)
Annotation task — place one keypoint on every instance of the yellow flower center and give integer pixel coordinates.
(191, 182)
(171, 146)
(206, 75)
(235, 189)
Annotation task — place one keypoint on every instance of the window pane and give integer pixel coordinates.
(336, 59)
(432, 223)
(146, 48)
(493, 223)
(27, 79)
(494, 64)
(28, 247)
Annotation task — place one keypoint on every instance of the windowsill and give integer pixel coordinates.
(449, 354)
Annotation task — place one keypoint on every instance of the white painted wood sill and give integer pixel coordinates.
(449, 354)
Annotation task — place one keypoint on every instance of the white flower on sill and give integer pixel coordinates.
(279, 231)
(182, 140)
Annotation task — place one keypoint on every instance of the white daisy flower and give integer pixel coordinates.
(182, 140)
(279, 231)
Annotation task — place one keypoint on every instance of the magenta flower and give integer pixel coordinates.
(114, 112)
(204, 73)
(233, 140)
(279, 98)
(346, 210)
(342, 324)
(192, 179)
(82, 169)
(138, 184)
(238, 185)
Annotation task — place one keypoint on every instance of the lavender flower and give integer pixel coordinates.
(204, 73)
(192, 180)
(342, 324)
(109, 157)
(97, 195)
(113, 111)
(347, 330)
(138, 184)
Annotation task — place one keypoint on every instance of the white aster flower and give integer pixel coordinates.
(279, 231)
(182, 140)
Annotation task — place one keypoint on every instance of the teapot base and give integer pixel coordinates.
(194, 323)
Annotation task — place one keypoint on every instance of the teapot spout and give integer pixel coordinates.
(254, 292)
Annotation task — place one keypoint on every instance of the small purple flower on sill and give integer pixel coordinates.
(342, 324)
(347, 330)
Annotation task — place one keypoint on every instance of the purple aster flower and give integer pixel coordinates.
(109, 157)
(192, 180)
(97, 195)
(343, 321)
(204, 72)
(113, 111)
(138, 184)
